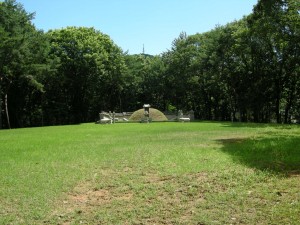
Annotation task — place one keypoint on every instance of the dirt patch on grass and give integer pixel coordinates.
(91, 197)
(84, 199)
(133, 197)
(179, 195)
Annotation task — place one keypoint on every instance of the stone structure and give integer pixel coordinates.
(146, 113)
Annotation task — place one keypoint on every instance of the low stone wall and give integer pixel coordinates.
(172, 116)
(123, 115)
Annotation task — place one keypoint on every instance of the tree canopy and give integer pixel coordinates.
(88, 75)
(247, 70)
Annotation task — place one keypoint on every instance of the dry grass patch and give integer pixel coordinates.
(146, 198)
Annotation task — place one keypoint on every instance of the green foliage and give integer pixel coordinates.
(22, 57)
(247, 70)
(144, 82)
(89, 73)
(274, 31)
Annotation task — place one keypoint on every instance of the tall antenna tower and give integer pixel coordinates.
(143, 49)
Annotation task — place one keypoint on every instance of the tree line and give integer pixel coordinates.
(247, 70)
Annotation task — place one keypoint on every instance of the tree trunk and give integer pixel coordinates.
(277, 102)
(0, 104)
(6, 110)
(289, 105)
(277, 108)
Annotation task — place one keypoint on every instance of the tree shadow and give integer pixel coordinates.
(258, 125)
(276, 153)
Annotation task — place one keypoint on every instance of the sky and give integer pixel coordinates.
(132, 24)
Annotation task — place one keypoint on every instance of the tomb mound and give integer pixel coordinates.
(154, 115)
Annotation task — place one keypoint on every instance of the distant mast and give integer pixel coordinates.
(143, 49)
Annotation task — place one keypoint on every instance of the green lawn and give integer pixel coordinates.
(157, 173)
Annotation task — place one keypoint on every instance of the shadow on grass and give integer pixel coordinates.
(259, 125)
(277, 154)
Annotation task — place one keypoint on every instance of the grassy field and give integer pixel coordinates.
(158, 173)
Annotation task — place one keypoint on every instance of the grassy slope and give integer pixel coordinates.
(178, 173)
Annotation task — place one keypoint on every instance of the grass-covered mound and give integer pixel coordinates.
(155, 115)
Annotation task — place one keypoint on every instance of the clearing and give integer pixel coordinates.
(157, 173)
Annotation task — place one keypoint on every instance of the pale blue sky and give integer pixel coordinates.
(132, 23)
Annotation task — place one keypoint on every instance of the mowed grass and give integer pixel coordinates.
(157, 173)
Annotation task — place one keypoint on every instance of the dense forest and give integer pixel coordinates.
(247, 70)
